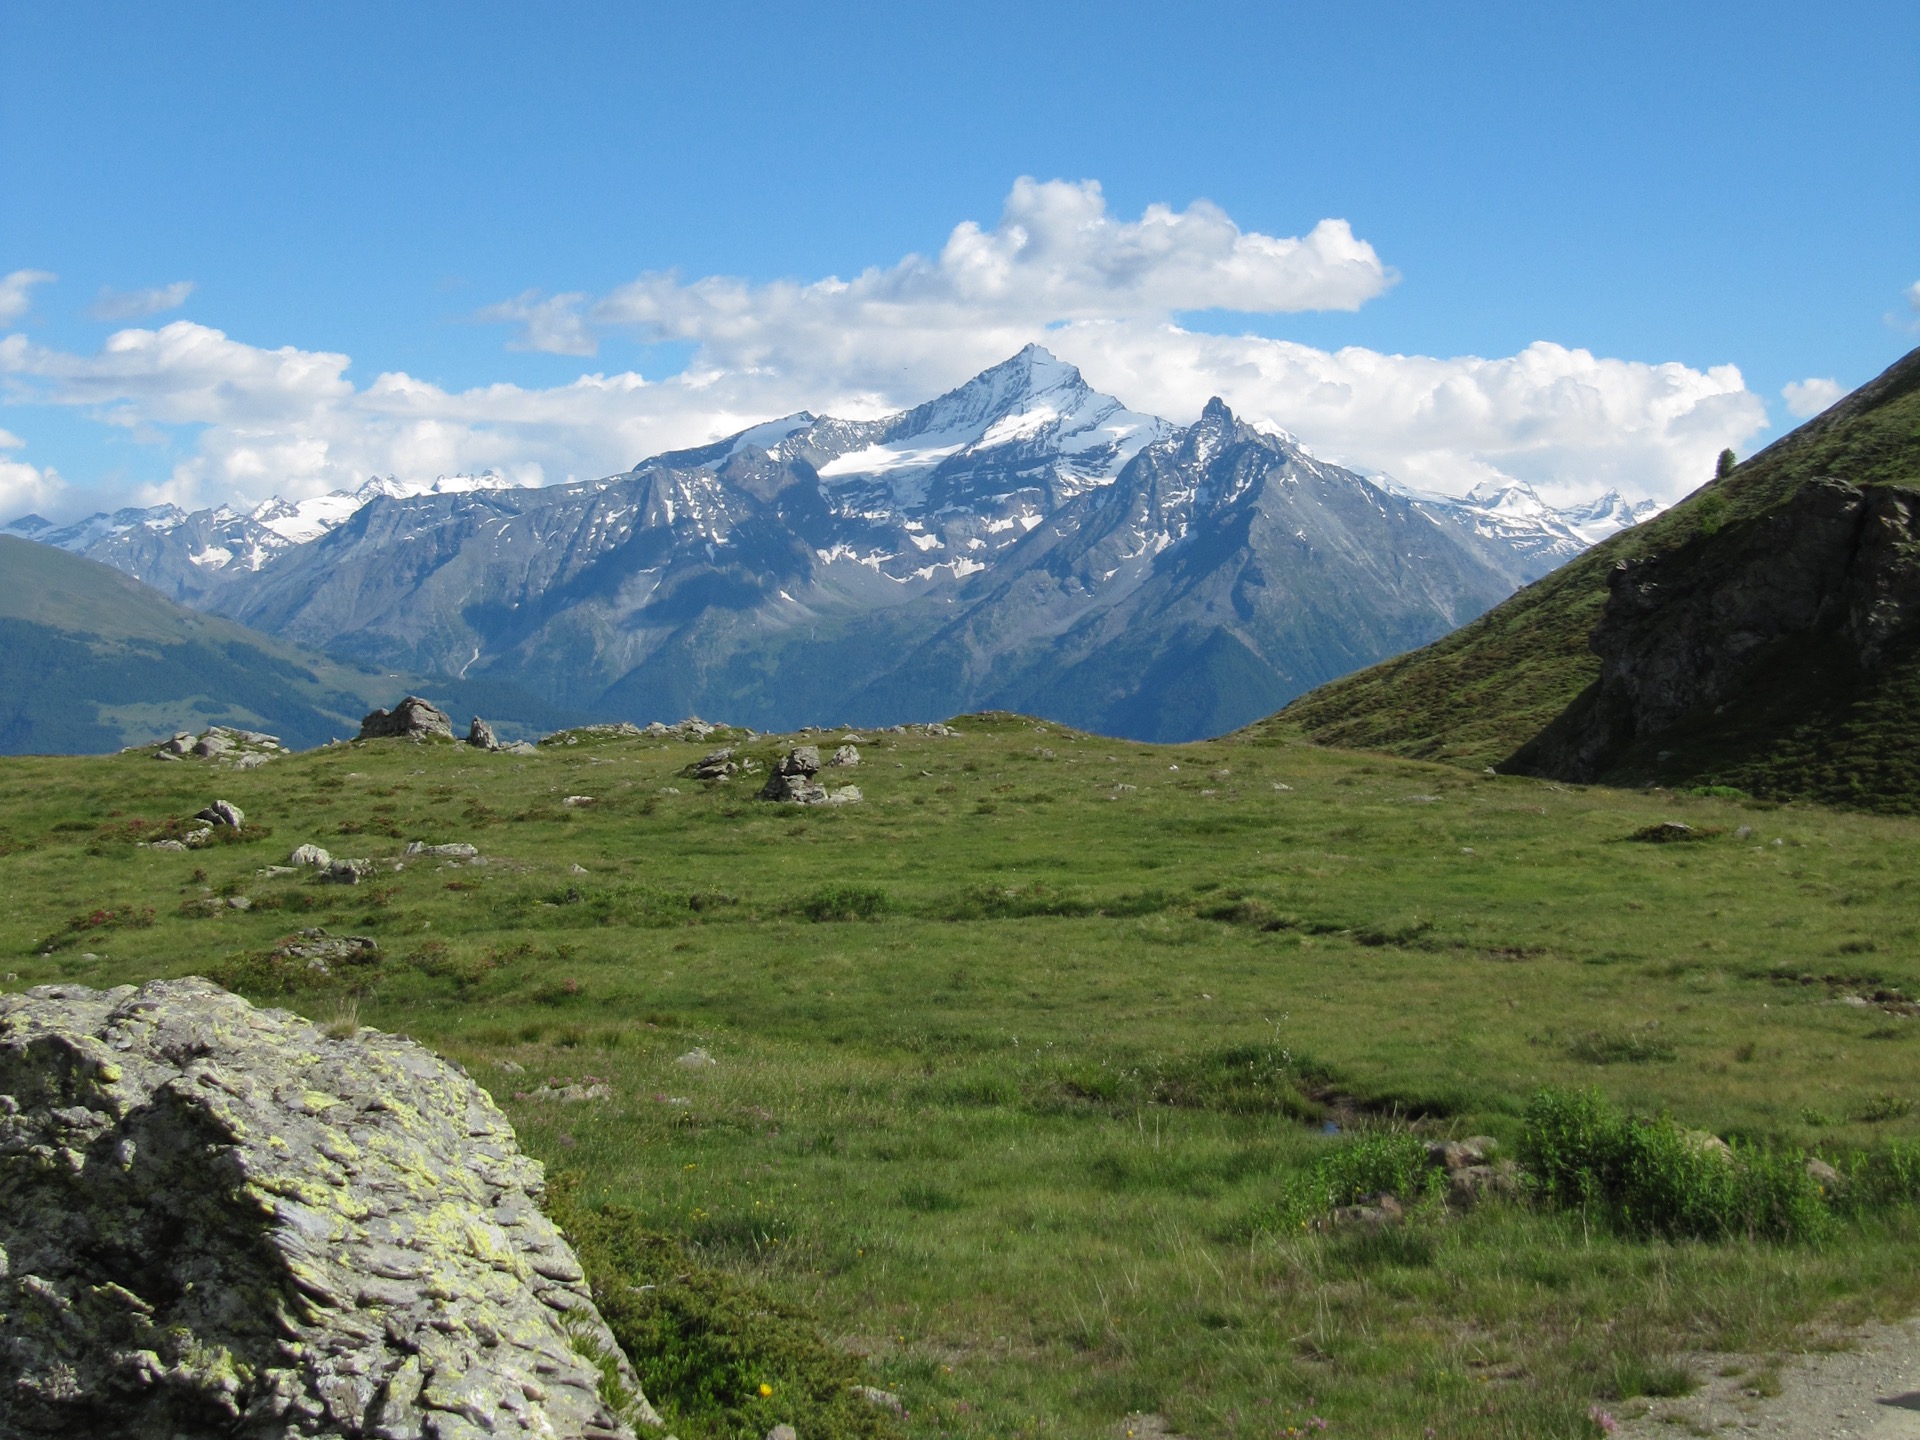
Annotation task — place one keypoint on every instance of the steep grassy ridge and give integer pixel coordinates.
(1477, 696)
(1023, 1062)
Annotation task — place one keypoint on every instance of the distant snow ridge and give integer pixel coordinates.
(817, 516)
(179, 551)
(1514, 515)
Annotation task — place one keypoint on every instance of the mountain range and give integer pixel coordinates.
(1021, 542)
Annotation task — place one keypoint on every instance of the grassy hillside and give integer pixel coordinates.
(1477, 696)
(1024, 1061)
(92, 660)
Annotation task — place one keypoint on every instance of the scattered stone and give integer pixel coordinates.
(309, 855)
(459, 850)
(480, 735)
(800, 760)
(323, 951)
(198, 839)
(1823, 1174)
(655, 729)
(845, 795)
(512, 1067)
(1745, 832)
(946, 730)
(880, 1399)
(1666, 832)
(520, 747)
(1470, 1184)
(845, 757)
(576, 869)
(247, 1231)
(1706, 1143)
(166, 755)
(793, 790)
(696, 1059)
(717, 765)
(212, 744)
(577, 800)
(222, 812)
(239, 902)
(783, 1431)
(1459, 1154)
(345, 872)
(1373, 1211)
(412, 719)
(565, 1092)
(166, 845)
(253, 759)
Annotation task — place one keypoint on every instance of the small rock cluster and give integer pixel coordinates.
(1471, 1174)
(221, 813)
(793, 782)
(223, 745)
(217, 1220)
(691, 728)
(717, 765)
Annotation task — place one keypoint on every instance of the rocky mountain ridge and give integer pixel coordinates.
(1021, 541)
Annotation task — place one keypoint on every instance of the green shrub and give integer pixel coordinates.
(1880, 1178)
(843, 902)
(1648, 1177)
(704, 1343)
(1384, 1162)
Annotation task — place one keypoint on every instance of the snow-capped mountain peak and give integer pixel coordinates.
(300, 521)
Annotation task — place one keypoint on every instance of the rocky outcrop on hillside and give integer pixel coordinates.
(217, 1220)
(1686, 630)
(412, 719)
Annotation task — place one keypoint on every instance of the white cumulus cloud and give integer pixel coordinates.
(25, 488)
(1102, 293)
(16, 292)
(1055, 255)
(138, 304)
(1807, 398)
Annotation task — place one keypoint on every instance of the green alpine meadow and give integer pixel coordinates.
(1064, 1085)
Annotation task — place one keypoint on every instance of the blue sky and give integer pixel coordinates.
(412, 186)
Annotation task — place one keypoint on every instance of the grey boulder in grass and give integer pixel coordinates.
(215, 1219)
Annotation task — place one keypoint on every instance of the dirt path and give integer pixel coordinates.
(1870, 1391)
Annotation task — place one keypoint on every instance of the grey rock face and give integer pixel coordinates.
(216, 1220)
(794, 789)
(845, 757)
(1684, 630)
(480, 735)
(413, 718)
(800, 760)
(223, 812)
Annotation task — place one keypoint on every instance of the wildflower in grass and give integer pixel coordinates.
(1602, 1420)
(765, 1390)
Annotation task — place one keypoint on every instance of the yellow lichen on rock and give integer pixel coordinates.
(217, 1219)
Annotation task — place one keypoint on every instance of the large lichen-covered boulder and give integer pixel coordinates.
(217, 1220)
